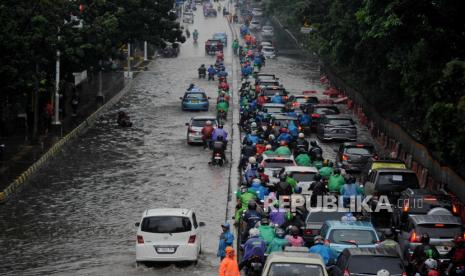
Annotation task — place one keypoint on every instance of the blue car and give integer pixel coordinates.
(221, 36)
(345, 234)
(194, 100)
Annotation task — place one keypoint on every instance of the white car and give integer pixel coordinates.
(254, 24)
(195, 126)
(268, 52)
(304, 176)
(168, 235)
(294, 261)
(257, 12)
(267, 30)
(273, 163)
(266, 44)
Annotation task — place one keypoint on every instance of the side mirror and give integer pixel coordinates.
(201, 224)
(180, 98)
(137, 224)
(187, 124)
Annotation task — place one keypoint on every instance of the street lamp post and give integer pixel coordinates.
(145, 51)
(129, 61)
(56, 119)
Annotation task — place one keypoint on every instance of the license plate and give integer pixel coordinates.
(165, 249)
(194, 101)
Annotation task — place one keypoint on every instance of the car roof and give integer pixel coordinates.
(195, 92)
(295, 257)
(349, 224)
(394, 170)
(354, 144)
(433, 219)
(283, 117)
(167, 212)
(377, 251)
(326, 106)
(277, 156)
(342, 117)
(218, 34)
(422, 192)
(303, 96)
(300, 169)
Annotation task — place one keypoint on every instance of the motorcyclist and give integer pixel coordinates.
(266, 231)
(277, 214)
(322, 249)
(254, 247)
(207, 131)
(211, 72)
(293, 130)
(202, 71)
(383, 272)
(243, 197)
(327, 170)
(273, 142)
(219, 131)
(301, 143)
(318, 189)
(294, 238)
(389, 242)
(259, 189)
(260, 146)
(250, 217)
(235, 46)
(303, 159)
(277, 99)
(222, 107)
(305, 120)
(247, 151)
(431, 266)
(423, 252)
(335, 181)
(264, 178)
(350, 189)
(297, 220)
(457, 256)
(123, 119)
(278, 243)
(283, 187)
(252, 137)
(268, 150)
(283, 149)
(284, 136)
(188, 33)
(218, 146)
(223, 86)
(251, 173)
(315, 151)
(195, 35)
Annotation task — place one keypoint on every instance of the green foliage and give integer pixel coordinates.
(406, 56)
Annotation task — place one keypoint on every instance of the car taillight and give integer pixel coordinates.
(404, 273)
(140, 239)
(345, 157)
(192, 239)
(414, 238)
(454, 209)
(406, 206)
(315, 115)
(295, 104)
(308, 232)
(346, 272)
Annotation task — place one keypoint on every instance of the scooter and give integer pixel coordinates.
(217, 160)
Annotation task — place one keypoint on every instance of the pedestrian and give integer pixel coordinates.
(228, 266)
(48, 115)
(226, 239)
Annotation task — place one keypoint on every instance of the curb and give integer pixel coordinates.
(14, 186)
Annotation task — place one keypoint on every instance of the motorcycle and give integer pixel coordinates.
(211, 76)
(202, 74)
(217, 160)
(124, 123)
(221, 116)
(254, 266)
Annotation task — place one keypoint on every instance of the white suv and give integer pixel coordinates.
(168, 235)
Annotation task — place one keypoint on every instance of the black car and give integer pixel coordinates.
(336, 127)
(315, 219)
(319, 110)
(368, 261)
(354, 156)
(421, 202)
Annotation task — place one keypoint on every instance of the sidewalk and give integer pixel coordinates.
(20, 154)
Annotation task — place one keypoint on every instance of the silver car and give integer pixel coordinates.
(336, 127)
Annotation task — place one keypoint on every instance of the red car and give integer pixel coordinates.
(213, 45)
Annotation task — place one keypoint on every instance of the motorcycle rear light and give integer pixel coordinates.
(404, 273)
(454, 209)
(406, 206)
(346, 272)
(414, 238)
(192, 239)
(345, 157)
(308, 232)
(140, 239)
(315, 115)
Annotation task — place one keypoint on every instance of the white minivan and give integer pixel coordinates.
(170, 234)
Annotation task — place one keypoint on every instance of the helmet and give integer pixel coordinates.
(277, 94)
(383, 272)
(301, 135)
(279, 233)
(317, 177)
(283, 143)
(254, 124)
(219, 138)
(208, 123)
(244, 189)
(431, 263)
(318, 239)
(283, 177)
(271, 137)
(226, 225)
(220, 126)
(325, 163)
(229, 251)
(330, 164)
(252, 205)
(265, 221)
(254, 166)
(254, 132)
(313, 143)
(294, 230)
(256, 181)
(248, 142)
(298, 190)
(388, 234)
(261, 169)
(254, 232)
(425, 238)
(252, 160)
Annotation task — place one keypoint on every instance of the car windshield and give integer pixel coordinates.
(403, 180)
(440, 231)
(195, 96)
(295, 269)
(268, 49)
(352, 236)
(359, 150)
(266, 77)
(324, 215)
(267, 28)
(269, 82)
(166, 224)
(201, 122)
(372, 264)
(272, 92)
(275, 163)
(340, 122)
(303, 176)
(326, 111)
